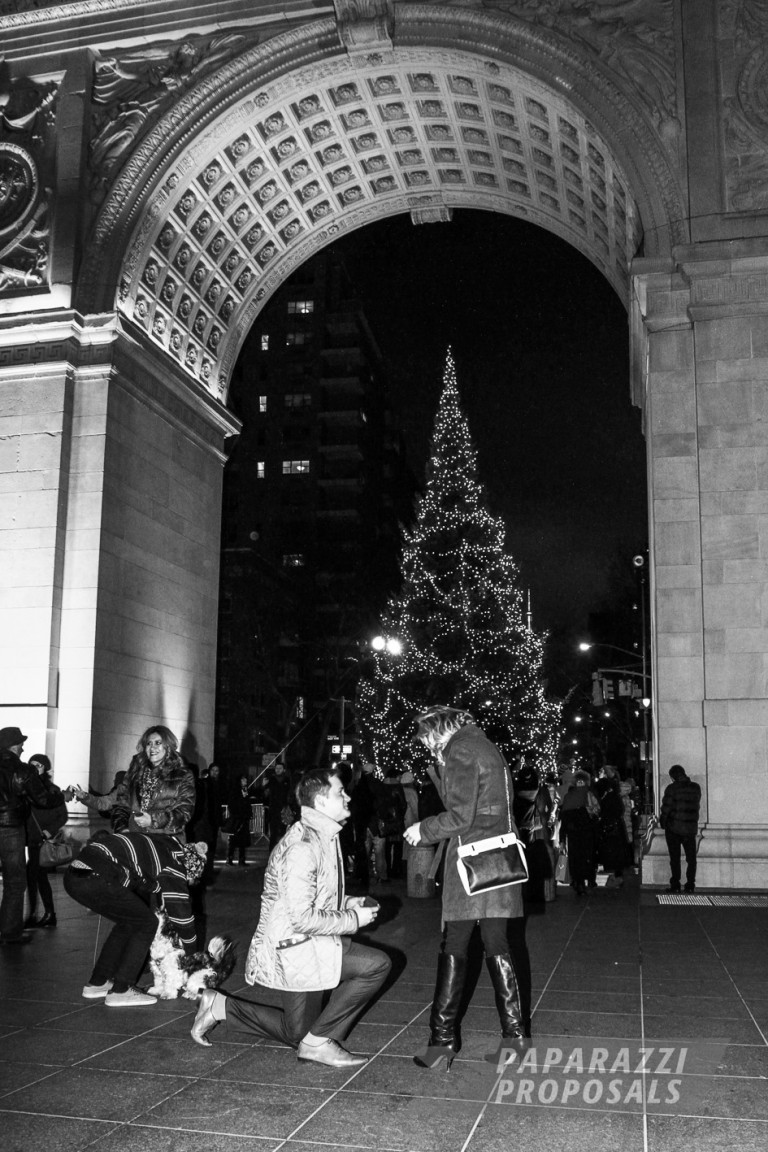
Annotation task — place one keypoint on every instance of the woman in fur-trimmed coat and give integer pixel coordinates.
(157, 795)
(474, 783)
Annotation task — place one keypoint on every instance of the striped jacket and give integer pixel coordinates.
(680, 807)
(156, 862)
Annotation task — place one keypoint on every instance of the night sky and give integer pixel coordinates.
(540, 341)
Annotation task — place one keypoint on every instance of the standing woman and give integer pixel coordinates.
(42, 824)
(240, 813)
(157, 795)
(474, 783)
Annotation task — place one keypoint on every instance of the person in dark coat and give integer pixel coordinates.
(206, 818)
(680, 820)
(239, 823)
(368, 797)
(20, 787)
(579, 829)
(474, 783)
(42, 824)
(281, 803)
(611, 836)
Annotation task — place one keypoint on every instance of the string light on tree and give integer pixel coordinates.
(460, 618)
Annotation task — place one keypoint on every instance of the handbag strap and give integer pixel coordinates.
(506, 789)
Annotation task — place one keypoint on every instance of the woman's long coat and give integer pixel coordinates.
(471, 783)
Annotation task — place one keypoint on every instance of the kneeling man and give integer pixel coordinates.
(302, 945)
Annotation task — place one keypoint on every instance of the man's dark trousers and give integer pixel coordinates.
(363, 971)
(688, 845)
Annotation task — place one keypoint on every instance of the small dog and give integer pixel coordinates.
(176, 974)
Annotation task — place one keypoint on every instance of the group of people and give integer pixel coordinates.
(303, 943)
(596, 825)
(32, 810)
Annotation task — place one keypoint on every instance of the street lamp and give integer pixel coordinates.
(389, 644)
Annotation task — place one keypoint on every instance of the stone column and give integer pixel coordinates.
(111, 508)
(705, 331)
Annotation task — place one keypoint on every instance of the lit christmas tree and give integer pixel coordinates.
(459, 619)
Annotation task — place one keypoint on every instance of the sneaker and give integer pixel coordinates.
(97, 991)
(689, 888)
(131, 998)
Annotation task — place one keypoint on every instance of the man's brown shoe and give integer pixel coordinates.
(330, 1053)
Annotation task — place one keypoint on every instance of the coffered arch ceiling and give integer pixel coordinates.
(291, 160)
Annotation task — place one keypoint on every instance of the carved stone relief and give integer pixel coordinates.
(365, 25)
(131, 90)
(634, 39)
(27, 109)
(744, 29)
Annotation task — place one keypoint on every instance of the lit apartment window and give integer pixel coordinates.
(293, 560)
(265, 343)
(262, 403)
(259, 469)
(295, 467)
(294, 339)
(300, 307)
(298, 399)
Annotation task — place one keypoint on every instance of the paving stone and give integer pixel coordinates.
(62, 1059)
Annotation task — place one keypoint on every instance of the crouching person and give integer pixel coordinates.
(302, 945)
(124, 876)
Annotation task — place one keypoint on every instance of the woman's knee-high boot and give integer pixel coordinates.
(443, 1040)
(513, 1038)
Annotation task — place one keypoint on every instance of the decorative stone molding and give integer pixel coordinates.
(26, 10)
(268, 157)
(634, 39)
(132, 89)
(365, 25)
(744, 29)
(27, 112)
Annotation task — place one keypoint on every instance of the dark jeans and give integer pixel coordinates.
(125, 949)
(12, 842)
(363, 971)
(37, 880)
(688, 845)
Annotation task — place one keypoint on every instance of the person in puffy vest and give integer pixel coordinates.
(303, 943)
(680, 820)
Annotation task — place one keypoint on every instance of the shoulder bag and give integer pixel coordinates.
(496, 862)
(55, 851)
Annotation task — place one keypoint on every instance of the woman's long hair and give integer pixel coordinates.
(440, 721)
(170, 743)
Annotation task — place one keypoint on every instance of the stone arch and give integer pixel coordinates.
(297, 141)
